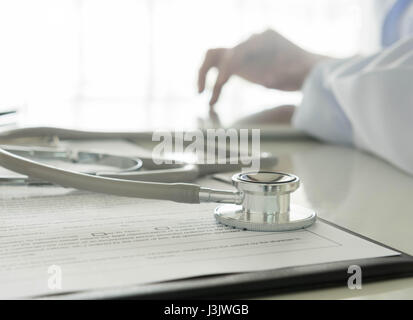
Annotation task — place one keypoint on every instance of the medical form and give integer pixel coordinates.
(55, 240)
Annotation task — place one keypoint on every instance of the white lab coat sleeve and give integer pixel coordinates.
(373, 97)
(320, 114)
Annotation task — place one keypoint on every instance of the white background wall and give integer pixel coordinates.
(131, 60)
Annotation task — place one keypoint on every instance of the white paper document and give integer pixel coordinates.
(55, 240)
(101, 241)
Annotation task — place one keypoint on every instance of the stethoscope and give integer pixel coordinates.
(261, 202)
(103, 164)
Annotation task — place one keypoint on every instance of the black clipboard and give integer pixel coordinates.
(250, 284)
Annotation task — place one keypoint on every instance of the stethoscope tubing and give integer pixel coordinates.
(178, 192)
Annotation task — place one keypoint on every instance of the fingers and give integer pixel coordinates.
(222, 78)
(212, 59)
(221, 58)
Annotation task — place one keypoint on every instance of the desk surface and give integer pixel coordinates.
(357, 191)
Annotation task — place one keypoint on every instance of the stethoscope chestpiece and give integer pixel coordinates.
(265, 203)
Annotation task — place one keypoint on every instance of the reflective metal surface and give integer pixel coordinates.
(265, 203)
(234, 216)
(266, 177)
(266, 182)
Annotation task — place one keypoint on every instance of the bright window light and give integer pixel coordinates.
(133, 63)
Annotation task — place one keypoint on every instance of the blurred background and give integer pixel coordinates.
(132, 64)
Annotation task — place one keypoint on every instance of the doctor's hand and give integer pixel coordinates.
(267, 59)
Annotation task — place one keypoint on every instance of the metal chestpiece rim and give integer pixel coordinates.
(265, 204)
